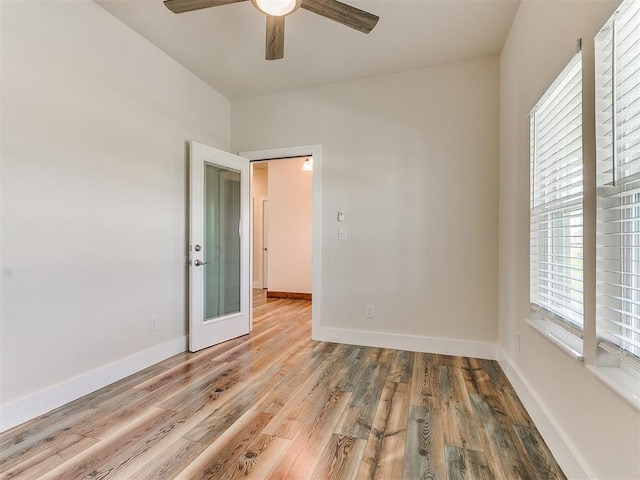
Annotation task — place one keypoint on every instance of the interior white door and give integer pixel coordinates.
(219, 269)
(265, 243)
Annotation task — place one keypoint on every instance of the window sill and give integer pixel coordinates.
(623, 383)
(568, 343)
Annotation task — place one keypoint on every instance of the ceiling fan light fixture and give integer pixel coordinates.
(277, 8)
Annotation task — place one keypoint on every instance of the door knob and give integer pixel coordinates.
(199, 263)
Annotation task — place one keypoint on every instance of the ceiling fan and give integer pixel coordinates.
(276, 10)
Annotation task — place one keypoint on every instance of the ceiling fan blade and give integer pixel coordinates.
(181, 6)
(345, 14)
(275, 38)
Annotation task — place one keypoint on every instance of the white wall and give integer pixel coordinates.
(94, 125)
(289, 229)
(411, 158)
(600, 428)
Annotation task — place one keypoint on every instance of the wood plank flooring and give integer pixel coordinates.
(276, 405)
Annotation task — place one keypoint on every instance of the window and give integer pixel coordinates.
(556, 210)
(618, 168)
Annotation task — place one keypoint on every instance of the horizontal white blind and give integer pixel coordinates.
(556, 214)
(618, 157)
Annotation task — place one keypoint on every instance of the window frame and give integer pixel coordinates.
(555, 209)
(618, 191)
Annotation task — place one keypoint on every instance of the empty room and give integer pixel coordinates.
(456, 295)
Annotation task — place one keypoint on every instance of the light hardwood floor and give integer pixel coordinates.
(276, 405)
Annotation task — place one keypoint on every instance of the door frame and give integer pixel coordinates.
(316, 220)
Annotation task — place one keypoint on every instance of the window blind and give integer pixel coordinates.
(556, 210)
(618, 166)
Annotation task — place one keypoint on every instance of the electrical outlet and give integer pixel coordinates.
(369, 311)
(518, 341)
(153, 322)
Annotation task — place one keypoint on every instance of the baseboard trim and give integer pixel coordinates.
(289, 295)
(412, 343)
(31, 406)
(573, 466)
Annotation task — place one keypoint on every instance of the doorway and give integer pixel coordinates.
(260, 223)
(275, 155)
(282, 227)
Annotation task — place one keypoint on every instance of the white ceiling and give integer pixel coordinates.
(225, 45)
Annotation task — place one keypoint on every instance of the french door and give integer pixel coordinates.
(219, 269)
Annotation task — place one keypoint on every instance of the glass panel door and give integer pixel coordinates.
(219, 268)
(221, 242)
